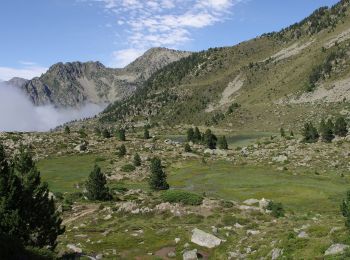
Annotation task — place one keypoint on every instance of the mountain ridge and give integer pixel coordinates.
(73, 84)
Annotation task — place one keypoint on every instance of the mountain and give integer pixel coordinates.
(16, 82)
(73, 84)
(278, 79)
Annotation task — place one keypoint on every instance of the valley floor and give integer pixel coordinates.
(310, 180)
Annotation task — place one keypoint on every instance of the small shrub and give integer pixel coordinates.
(128, 168)
(276, 209)
(184, 197)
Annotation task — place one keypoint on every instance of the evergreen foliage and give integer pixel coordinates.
(340, 127)
(223, 143)
(106, 133)
(28, 216)
(187, 148)
(121, 135)
(137, 160)
(190, 135)
(67, 130)
(121, 150)
(310, 133)
(210, 139)
(326, 130)
(146, 134)
(345, 209)
(158, 177)
(96, 185)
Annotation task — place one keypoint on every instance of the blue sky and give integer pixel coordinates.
(38, 33)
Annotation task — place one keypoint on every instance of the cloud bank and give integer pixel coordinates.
(17, 113)
(161, 23)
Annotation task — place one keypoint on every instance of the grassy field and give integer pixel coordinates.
(234, 140)
(302, 192)
(62, 173)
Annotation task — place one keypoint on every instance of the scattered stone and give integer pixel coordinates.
(276, 253)
(204, 239)
(74, 248)
(280, 159)
(177, 240)
(172, 254)
(251, 202)
(253, 232)
(336, 249)
(303, 234)
(190, 255)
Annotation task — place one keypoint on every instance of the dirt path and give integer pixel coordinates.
(89, 210)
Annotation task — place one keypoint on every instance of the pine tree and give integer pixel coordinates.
(27, 213)
(187, 148)
(67, 130)
(223, 143)
(96, 185)
(197, 136)
(137, 160)
(121, 135)
(106, 133)
(97, 131)
(146, 134)
(121, 150)
(310, 133)
(345, 209)
(282, 132)
(326, 130)
(340, 127)
(210, 139)
(158, 177)
(190, 135)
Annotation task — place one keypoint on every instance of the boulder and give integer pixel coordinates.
(276, 253)
(190, 255)
(204, 239)
(280, 159)
(303, 234)
(74, 249)
(251, 202)
(336, 249)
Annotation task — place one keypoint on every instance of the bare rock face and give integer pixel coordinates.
(204, 239)
(73, 84)
(336, 249)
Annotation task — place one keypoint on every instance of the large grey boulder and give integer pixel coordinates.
(336, 249)
(74, 248)
(204, 239)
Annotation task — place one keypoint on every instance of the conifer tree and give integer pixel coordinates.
(67, 130)
(340, 127)
(197, 136)
(210, 139)
(223, 143)
(121, 135)
(158, 177)
(187, 148)
(28, 214)
(282, 132)
(96, 185)
(137, 160)
(326, 130)
(121, 150)
(310, 133)
(146, 134)
(106, 133)
(190, 135)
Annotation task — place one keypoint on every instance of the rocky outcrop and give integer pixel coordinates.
(73, 84)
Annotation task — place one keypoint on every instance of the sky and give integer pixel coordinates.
(38, 33)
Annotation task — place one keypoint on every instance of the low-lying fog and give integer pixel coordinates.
(17, 113)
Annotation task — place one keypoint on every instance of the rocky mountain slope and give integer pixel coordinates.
(279, 78)
(75, 83)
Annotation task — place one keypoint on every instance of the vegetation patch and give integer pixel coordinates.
(184, 197)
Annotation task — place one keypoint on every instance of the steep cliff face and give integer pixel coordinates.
(73, 84)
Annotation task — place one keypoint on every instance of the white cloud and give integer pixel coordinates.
(28, 71)
(122, 58)
(17, 113)
(165, 23)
